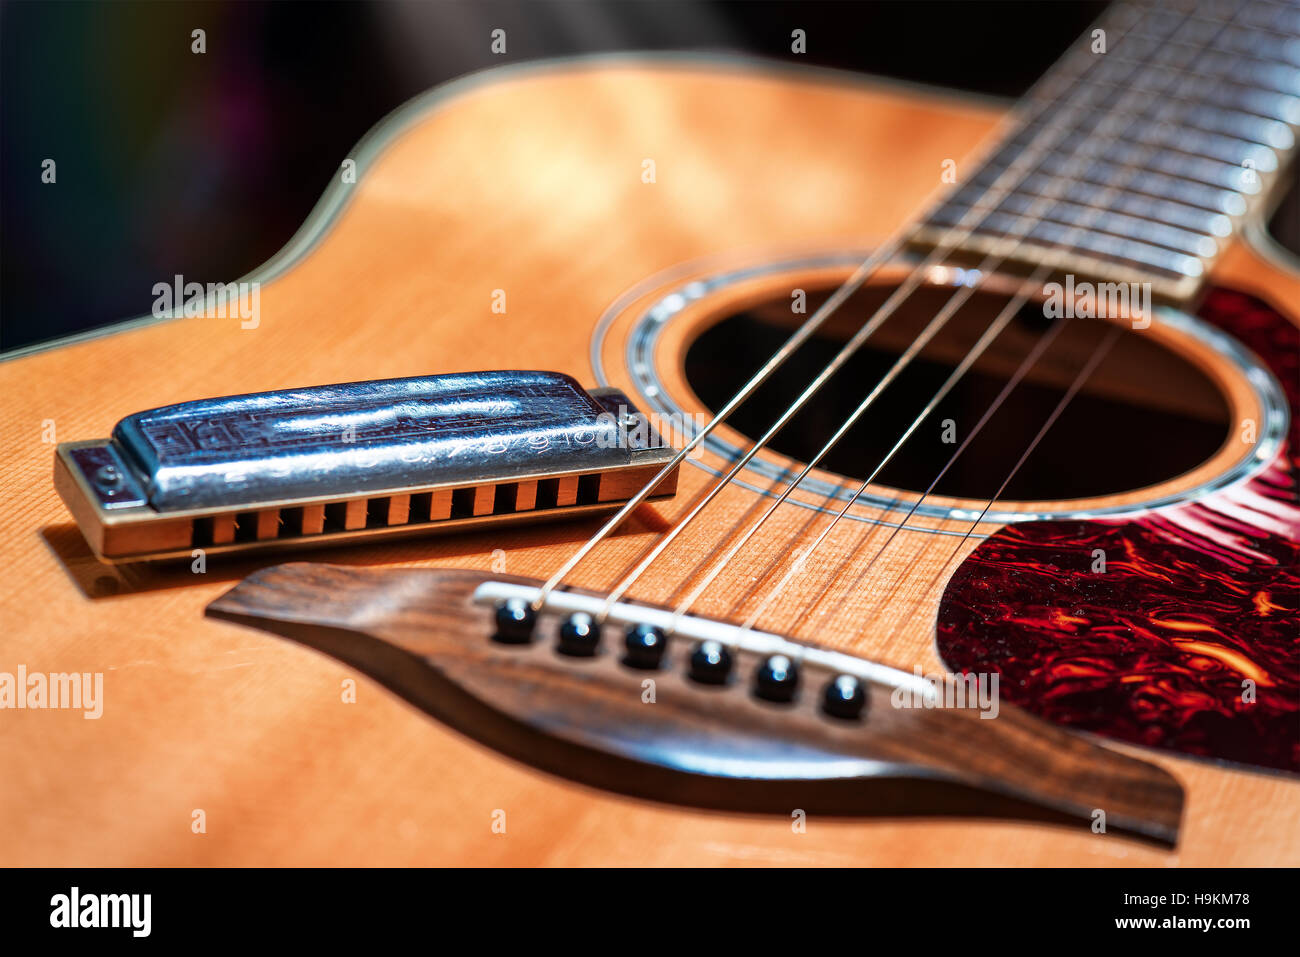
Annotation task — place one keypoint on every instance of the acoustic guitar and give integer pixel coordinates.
(962, 529)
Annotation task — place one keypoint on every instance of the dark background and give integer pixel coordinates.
(170, 162)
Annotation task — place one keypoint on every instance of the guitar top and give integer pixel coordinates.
(639, 454)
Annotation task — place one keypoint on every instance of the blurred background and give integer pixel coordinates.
(173, 162)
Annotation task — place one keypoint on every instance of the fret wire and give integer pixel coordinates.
(1006, 207)
(1228, 55)
(1095, 177)
(1118, 55)
(1244, 30)
(1230, 187)
(1183, 215)
(1145, 231)
(1146, 68)
(1284, 11)
(1253, 105)
(1119, 58)
(1157, 208)
(1220, 176)
(1131, 228)
(1146, 251)
(1145, 237)
(1183, 173)
(1241, 146)
(1104, 73)
(1245, 51)
(1175, 189)
(1166, 186)
(1134, 256)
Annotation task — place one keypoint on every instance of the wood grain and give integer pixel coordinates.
(531, 185)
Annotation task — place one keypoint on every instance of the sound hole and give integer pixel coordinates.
(1145, 416)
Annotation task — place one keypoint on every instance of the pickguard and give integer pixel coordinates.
(1189, 639)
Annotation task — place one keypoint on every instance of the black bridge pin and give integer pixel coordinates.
(777, 679)
(645, 646)
(710, 663)
(845, 697)
(579, 636)
(515, 621)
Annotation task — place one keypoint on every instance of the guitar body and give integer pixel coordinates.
(529, 181)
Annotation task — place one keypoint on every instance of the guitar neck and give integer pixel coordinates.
(1140, 154)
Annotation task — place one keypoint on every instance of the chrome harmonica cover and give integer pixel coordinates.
(339, 459)
(365, 436)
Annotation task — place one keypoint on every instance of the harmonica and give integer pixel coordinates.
(345, 462)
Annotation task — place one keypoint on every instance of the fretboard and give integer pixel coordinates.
(1139, 163)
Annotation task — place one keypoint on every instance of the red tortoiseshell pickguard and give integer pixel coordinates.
(1196, 600)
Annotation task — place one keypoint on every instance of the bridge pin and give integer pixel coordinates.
(710, 663)
(645, 646)
(579, 636)
(844, 697)
(515, 620)
(777, 679)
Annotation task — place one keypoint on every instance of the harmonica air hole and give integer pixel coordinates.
(548, 492)
(503, 502)
(201, 533)
(336, 516)
(589, 489)
(462, 503)
(246, 527)
(377, 512)
(290, 523)
(420, 505)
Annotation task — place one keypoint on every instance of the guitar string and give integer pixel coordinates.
(891, 247)
(675, 531)
(1099, 354)
(996, 256)
(962, 448)
(1030, 359)
(1027, 220)
(801, 562)
(938, 576)
(886, 310)
(999, 323)
(724, 562)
